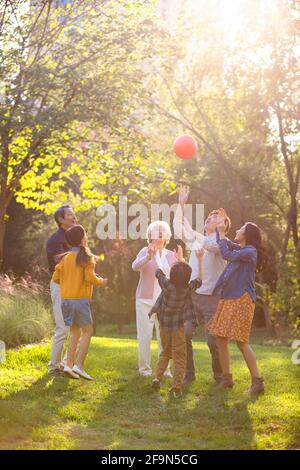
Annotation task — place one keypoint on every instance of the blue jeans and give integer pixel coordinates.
(76, 312)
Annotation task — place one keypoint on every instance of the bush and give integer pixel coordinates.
(24, 317)
(284, 301)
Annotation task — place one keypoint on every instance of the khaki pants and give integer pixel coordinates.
(61, 330)
(174, 347)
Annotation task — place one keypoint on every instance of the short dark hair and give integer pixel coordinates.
(60, 212)
(180, 275)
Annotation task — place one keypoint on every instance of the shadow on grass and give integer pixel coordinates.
(130, 415)
(27, 409)
(120, 411)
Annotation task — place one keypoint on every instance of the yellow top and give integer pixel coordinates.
(75, 281)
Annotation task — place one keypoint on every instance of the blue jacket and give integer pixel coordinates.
(239, 275)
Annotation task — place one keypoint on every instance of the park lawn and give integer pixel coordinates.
(120, 411)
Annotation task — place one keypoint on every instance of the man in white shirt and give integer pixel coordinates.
(213, 265)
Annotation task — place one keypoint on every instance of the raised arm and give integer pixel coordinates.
(246, 254)
(181, 225)
(163, 281)
(231, 245)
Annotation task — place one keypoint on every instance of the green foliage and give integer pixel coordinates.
(95, 93)
(68, 69)
(24, 317)
(284, 302)
(24, 320)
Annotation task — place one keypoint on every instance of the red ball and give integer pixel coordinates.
(185, 147)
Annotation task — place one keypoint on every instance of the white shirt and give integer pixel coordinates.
(212, 263)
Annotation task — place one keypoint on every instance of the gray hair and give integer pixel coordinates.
(159, 230)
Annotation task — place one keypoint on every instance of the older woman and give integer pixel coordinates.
(148, 260)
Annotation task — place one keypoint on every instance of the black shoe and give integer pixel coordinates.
(188, 379)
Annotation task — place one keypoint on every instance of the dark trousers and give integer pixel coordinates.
(205, 307)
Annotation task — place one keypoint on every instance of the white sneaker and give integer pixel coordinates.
(70, 372)
(82, 373)
(168, 374)
(146, 373)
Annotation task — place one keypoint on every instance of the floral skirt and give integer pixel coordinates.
(233, 318)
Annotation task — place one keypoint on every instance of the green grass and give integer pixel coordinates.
(120, 411)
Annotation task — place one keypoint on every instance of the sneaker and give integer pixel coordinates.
(82, 373)
(168, 374)
(226, 381)
(177, 393)
(146, 374)
(257, 386)
(188, 379)
(68, 371)
(155, 384)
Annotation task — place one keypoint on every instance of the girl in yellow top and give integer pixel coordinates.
(76, 275)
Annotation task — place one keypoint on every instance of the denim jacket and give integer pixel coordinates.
(239, 275)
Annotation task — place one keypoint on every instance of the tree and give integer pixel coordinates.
(64, 67)
(230, 91)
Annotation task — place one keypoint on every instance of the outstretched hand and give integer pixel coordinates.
(200, 253)
(221, 228)
(183, 194)
(179, 254)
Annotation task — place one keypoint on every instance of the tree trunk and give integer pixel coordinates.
(293, 182)
(5, 200)
(2, 235)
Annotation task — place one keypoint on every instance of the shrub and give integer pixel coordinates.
(24, 317)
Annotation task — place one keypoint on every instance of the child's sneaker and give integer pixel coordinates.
(177, 393)
(168, 374)
(70, 373)
(155, 384)
(82, 373)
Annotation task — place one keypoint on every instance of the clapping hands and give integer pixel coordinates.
(151, 251)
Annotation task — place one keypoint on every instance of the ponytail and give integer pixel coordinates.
(83, 256)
